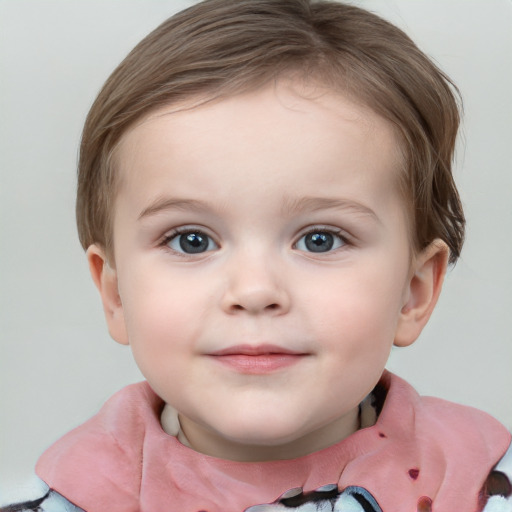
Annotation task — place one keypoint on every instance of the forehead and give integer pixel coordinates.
(276, 133)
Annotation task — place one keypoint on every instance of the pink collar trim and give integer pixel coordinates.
(121, 460)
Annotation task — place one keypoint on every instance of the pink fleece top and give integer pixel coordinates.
(420, 448)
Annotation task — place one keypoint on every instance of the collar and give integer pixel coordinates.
(121, 460)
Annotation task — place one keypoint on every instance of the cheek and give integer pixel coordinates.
(362, 310)
(161, 335)
(158, 321)
(160, 312)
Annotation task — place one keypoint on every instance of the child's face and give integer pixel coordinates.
(262, 264)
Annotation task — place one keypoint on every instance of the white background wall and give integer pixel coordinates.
(57, 363)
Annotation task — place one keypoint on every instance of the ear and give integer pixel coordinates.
(427, 276)
(105, 279)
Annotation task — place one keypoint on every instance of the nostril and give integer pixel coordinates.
(254, 300)
(270, 307)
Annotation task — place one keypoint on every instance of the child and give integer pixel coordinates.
(266, 200)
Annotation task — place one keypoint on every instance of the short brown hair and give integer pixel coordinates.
(222, 47)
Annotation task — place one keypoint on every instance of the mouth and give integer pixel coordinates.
(257, 360)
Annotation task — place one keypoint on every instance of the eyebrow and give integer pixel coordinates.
(164, 204)
(311, 204)
(290, 207)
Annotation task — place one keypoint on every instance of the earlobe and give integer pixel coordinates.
(424, 287)
(105, 279)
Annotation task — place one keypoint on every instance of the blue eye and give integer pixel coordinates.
(191, 242)
(320, 241)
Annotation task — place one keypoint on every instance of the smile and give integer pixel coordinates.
(256, 360)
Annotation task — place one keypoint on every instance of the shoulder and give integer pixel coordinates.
(496, 496)
(52, 501)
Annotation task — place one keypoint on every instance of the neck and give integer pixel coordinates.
(211, 443)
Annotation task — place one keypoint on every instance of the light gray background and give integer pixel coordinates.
(57, 363)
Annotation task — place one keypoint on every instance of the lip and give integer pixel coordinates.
(255, 350)
(257, 360)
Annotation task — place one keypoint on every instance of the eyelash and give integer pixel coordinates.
(338, 233)
(342, 237)
(164, 243)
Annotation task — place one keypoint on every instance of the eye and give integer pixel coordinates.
(190, 242)
(320, 241)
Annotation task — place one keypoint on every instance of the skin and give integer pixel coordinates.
(263, 346)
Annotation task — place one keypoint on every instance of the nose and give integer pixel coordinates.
(255, 286)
